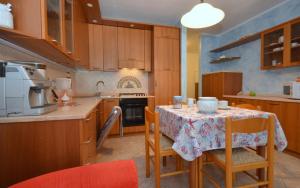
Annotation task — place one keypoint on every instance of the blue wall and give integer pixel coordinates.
(264, 82)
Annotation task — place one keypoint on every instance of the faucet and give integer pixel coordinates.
(98, 84)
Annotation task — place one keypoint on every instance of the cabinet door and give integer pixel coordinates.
(291, 124)
(81, 32)
(68, 26)
(162, 88)
(293, 36)
(148, 50)
(54, 20)
(167, 32)
(131, 48)
(276, 108)
(108, 105)
(163, 54)
(96, 47)
(110, 48)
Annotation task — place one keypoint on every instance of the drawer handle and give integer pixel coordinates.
(86, 164)
(87, 142)
(88, 119)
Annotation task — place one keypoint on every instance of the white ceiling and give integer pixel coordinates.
(169, 12)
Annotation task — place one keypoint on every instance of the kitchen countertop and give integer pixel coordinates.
(82, 108)
(263, 97)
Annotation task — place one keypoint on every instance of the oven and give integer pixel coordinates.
(133, 111)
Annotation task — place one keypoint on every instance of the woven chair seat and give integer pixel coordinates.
(165, 142)
(239, 156)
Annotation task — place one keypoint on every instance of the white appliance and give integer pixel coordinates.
(63, 85)
(291, 90)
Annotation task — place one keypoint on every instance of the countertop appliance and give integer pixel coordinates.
(291, 90)
(25, 89)
(133, 108)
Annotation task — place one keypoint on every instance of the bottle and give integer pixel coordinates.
(6, 17)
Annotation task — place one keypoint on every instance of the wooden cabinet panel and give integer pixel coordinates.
(81, 32)
(148, 50)
(167, 54)
(162, 88)
(221, 83)
(166, 65)
(166, 32)
(276, 108)
(30, 149)
(96, 47)
(131, 48)
(291, 125)
(110, 48)
(108, 105)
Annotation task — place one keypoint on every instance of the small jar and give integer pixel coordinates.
(6, 17)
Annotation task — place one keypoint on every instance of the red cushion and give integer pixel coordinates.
(117, 174)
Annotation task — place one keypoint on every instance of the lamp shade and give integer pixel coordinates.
(202, 15)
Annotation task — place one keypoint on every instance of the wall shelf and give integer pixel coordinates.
(222, 60)
(239, 42)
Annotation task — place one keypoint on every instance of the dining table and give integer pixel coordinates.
(195, 133)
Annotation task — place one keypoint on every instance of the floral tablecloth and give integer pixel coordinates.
(194, 132)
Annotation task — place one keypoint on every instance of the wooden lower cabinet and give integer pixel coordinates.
(30, 149)
(288, 114)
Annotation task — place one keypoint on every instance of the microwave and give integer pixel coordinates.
(291, 90)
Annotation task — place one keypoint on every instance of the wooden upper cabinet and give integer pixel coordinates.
(96, 47)
(81, 35)
(68, 26)
(131, 48)
(280, 45)
(166, 32)
(148, 50)
(168, 57)
(110, 48)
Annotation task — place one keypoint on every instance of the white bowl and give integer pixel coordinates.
(207, 104)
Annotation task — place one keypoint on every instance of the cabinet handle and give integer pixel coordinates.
(53, 40)
(87, 142)
(69, 52)
(86, 164)
(88, 119)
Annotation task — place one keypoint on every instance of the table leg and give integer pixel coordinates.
(261, 173)
(196, 178)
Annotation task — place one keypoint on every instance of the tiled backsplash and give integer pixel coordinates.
(85, 82)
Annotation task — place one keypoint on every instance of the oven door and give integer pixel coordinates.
(133, 112)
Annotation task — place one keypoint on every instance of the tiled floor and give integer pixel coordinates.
(287, 168)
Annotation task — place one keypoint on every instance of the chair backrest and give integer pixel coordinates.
(152, 118)
(247, 106)
(110, 121)
(253, 125)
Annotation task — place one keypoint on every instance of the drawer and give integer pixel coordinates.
(88, 128)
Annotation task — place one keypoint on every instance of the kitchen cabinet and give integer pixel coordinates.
(108, 105)
(221, 83)
(148, 50)
(88, 138)
(96, 47)
(280, 46)
(164, 80)
(54, 29)
(81, 36)
(131, 48)
(286, 112)
(110, 48)
(35, 148)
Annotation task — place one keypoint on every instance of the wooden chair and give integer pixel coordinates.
(244, 159)
(161, 147)
(247, 106)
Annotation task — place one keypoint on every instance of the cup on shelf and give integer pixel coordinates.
(281, 39)
(274, 62)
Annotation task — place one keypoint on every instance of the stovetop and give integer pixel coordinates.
(133, 95)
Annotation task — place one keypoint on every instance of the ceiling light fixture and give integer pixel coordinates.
(202, 15)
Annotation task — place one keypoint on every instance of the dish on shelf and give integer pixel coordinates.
(295, 44)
